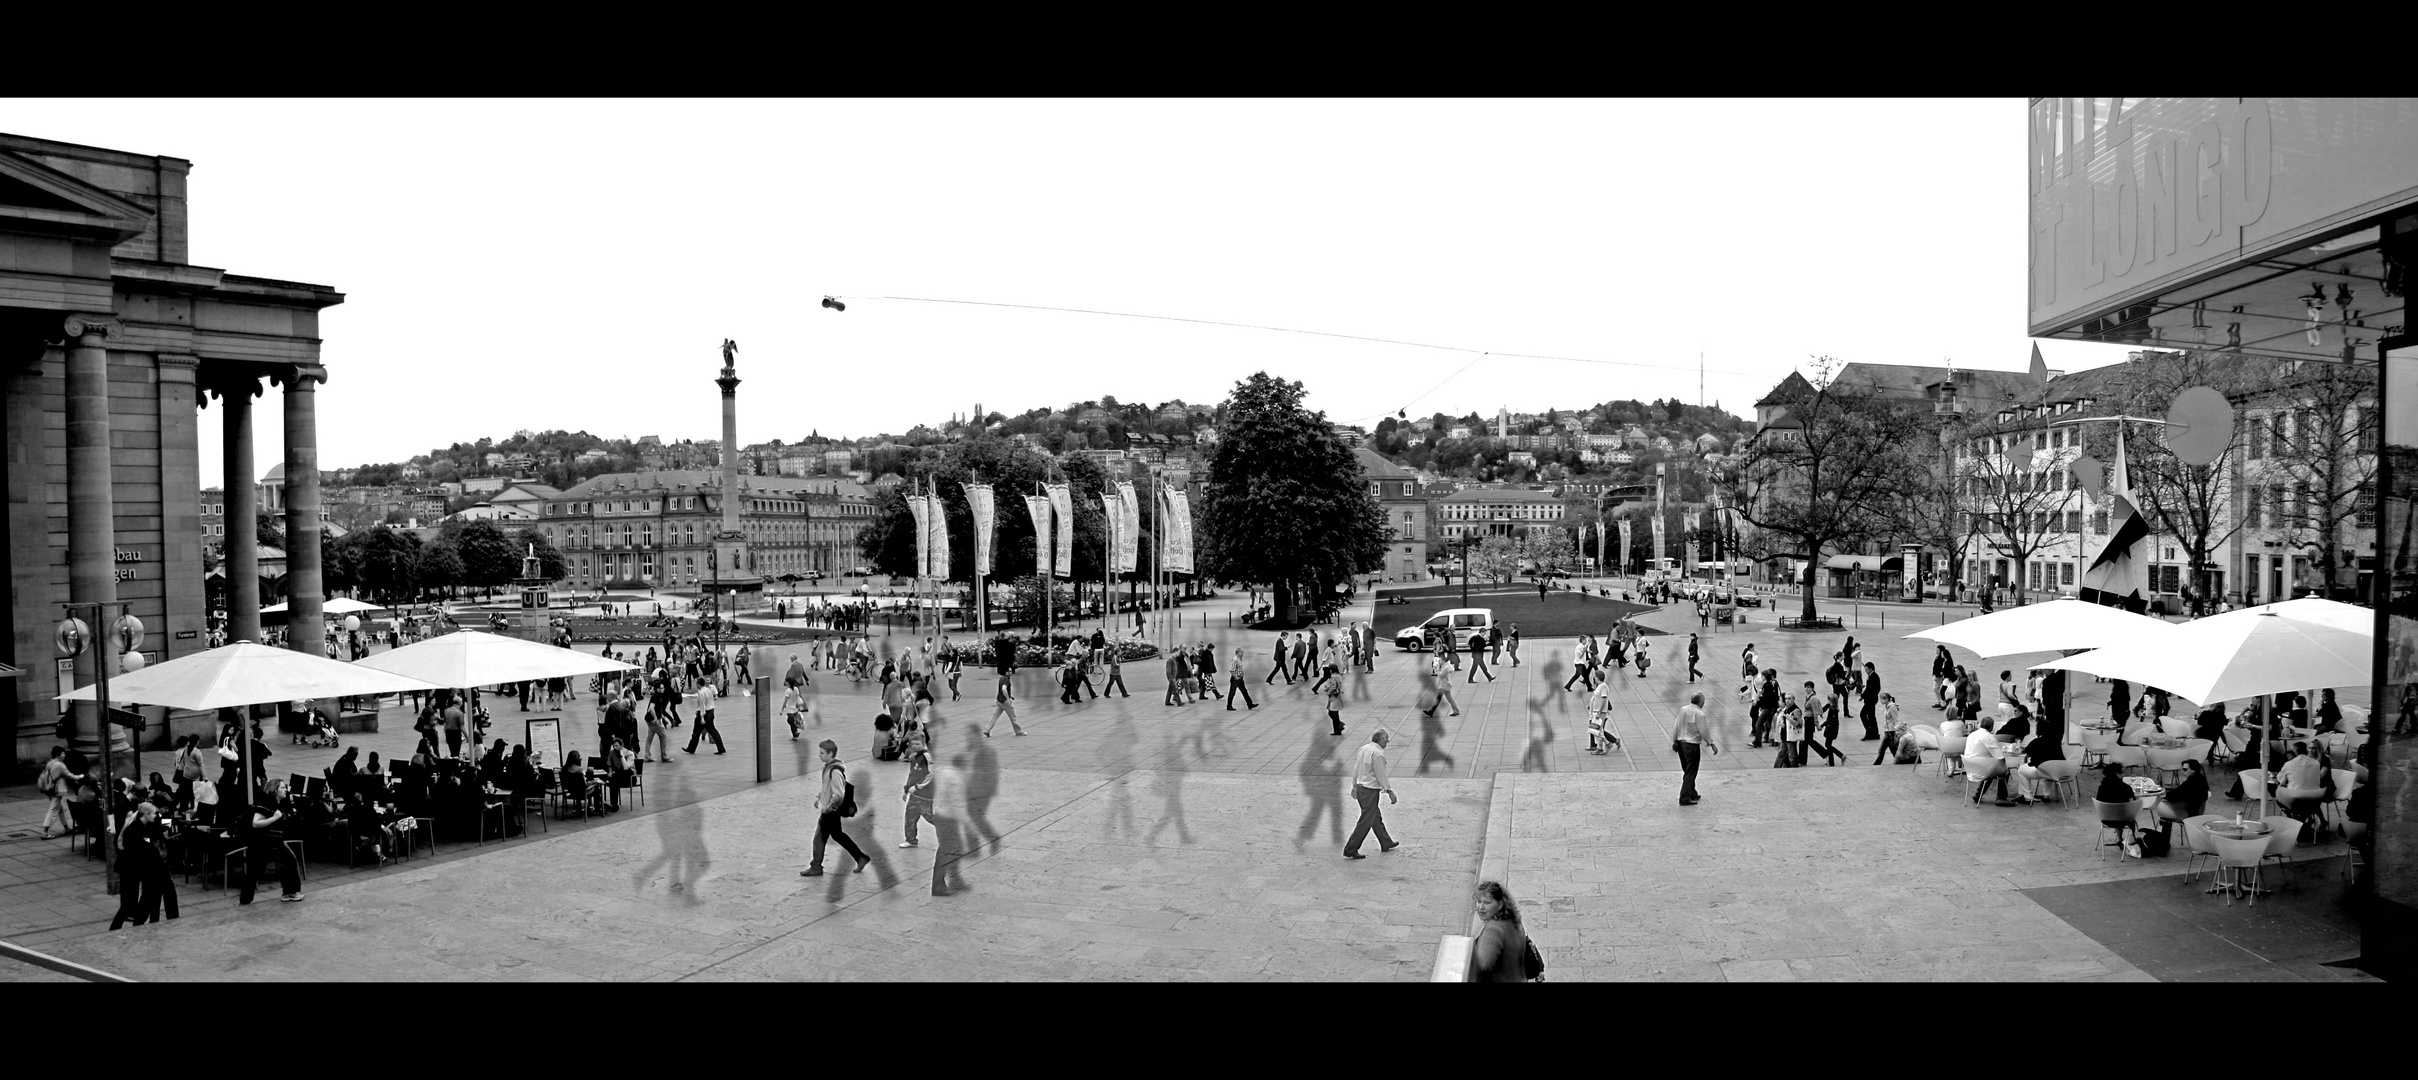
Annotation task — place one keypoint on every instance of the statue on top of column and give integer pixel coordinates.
(730, 351)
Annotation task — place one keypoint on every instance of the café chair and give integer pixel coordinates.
(2131, 759)
(2166, 766)
(545, 784)
(2179, 727)
(2199, 842)
(2238, 863)
(2116, 818)
(563, 799)
(2066, 777)
(638, 779)
(1951, 757)
(2094, 747)
(2345, 781)
(2354, 835)
(1979, 770)
(2283, 834)
(2254, 789)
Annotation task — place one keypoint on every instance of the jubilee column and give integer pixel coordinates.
(306, 597)
(91, 525)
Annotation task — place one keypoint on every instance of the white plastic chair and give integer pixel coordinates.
(2177, 727)
(2199, 842)
(2115, 818)
(2237, 739)
(2254, 789)
(2129, 758)
(2202, 751)
(1980, 769)
(2166, 766)
(2066, 777)
(2094, 747)
(1952, 750)
(2283, 834)
(2238, 862)
(2345, 781)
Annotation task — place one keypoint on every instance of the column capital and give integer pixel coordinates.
(220, 382)
(79, 325)
(299, 376)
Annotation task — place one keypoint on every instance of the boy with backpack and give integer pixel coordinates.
(834, 801)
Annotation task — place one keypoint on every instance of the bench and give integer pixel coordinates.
(1818, 622)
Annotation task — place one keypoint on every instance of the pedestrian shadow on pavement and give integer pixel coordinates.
(683, 860)
(981, 786)
(1115, 757)
(1168, 781)
(1322, 781)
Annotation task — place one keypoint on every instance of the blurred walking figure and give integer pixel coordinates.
(1007, 708)
(1236, 685)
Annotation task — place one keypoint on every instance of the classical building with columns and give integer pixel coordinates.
(111, 340)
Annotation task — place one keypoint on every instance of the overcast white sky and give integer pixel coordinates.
(576, 264)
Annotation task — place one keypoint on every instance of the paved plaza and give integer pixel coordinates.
(1134, 841)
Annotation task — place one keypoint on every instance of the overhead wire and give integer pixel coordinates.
(1405, 407)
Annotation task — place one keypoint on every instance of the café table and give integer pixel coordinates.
(2250, 829)
(2012, 754)
(2146, 790)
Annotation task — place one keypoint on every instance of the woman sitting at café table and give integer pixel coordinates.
(573, 776)
(2188, 798)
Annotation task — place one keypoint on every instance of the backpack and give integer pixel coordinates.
(847, 806)
(2154, 845)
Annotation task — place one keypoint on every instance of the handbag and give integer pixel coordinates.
(1532, 963)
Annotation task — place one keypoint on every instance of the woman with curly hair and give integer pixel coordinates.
(1501, 951)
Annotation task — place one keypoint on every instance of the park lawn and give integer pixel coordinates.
(1560, 615)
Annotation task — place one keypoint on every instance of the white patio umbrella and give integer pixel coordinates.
(2060, 624)
(342, 605)
(2237, 655)
(467, 658)
(2311, 609)
(242, 673)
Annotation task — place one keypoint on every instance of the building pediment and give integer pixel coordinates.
(37, 198)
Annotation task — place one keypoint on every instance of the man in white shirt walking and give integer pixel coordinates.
(1369, 778)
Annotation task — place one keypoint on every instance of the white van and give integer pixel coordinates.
(1448, 629)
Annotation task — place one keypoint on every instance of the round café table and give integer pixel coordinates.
(2251, 829)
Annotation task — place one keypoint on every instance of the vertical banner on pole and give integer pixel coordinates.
(978, 500)
(1038, 507)
(1624, 546)
(1179, 532)
(1062, 502)
(922, 509)
(1658, 556)
(940, 537)
(1129, 527)
(1691, 523)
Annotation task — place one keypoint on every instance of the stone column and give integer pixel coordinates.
(91, 525)
(242, 564)
(305, 594)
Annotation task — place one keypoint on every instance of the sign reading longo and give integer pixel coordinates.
(2135, 199)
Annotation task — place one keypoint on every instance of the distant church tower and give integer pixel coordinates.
(1502, 422)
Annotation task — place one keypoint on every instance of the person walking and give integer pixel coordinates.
(1369, 779)
(1368, 648)
(1692, 672)
(1871, 701)
(1478, 644)
(52, 786)
(1067, 681)
(1767, 707)
(454, 718)
(702, 708)
(260, 833)
(1642, 658)
(138, 849)
(1511, 644)
(1236, 685)
(1690, 738)
(1495, 640)
(1116, 672)
(833, 805)
(1582, 664)
(956, 667)
(1279, 668)
(1006, 708)
(918, 794)
(1943, 676)
(1335, 704)
(1205, 669)
(1499, 953)
(1443, 684)
(1747, 670)
(1175, 678)
(1301, 656)
(1832, 706)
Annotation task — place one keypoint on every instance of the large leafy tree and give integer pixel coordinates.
(388, 562)
(488, 558)
(1835, 471)
(1286, 503)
